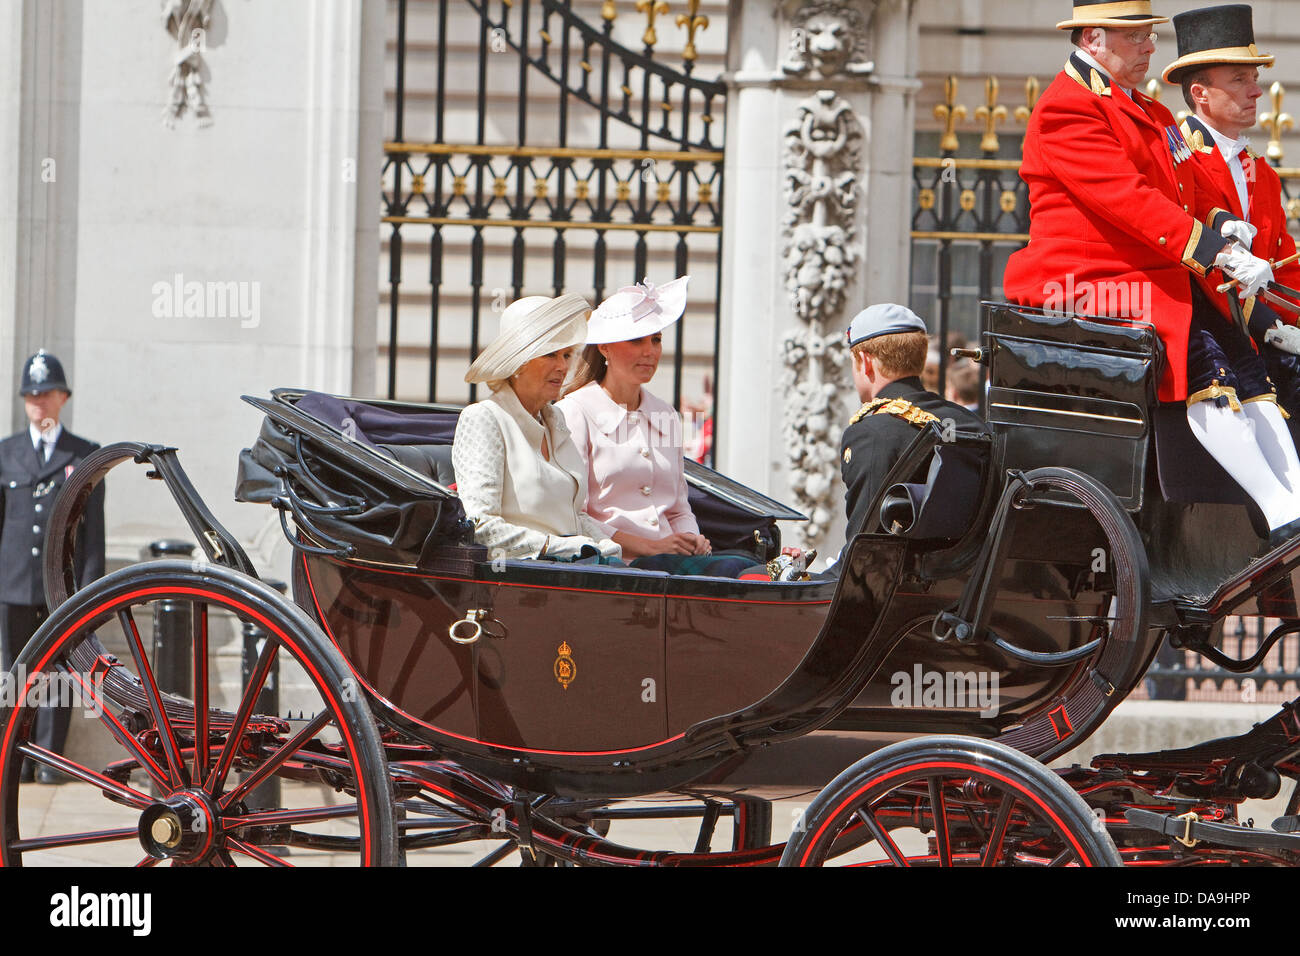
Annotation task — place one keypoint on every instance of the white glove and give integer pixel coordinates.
(1238, 231)
(1284, 337)
(569, 546)
(608, 549)
(1251, 273)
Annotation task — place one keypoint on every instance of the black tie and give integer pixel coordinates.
(42, 449)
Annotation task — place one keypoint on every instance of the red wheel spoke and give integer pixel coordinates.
(146, 862)
(993, 850)
(247, 703)
(277, 759)
(939, 811)
(179, 776)
(257, 853)
(124, 736)
(266, 818)
(882, 837)
(75, 839)
(127, 794)
(199, 618)
(1062, 858)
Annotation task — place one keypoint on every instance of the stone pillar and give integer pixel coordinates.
(819, 149)
(40, 92)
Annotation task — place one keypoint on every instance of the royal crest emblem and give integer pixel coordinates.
(38, 370)
(566, 669)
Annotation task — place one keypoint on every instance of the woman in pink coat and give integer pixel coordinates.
(631, 440)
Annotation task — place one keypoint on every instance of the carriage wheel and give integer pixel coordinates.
(155, 777)
(949, 801)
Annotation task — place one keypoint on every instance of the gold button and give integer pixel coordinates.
(645, 490)
(1184, 207)
(1181, 187)
(645, 452)
(1163, 241)
(848, 455)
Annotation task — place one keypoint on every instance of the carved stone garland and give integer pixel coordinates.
(187, 21)
(822, 156)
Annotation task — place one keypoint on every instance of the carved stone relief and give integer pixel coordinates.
(822, 159)
(187, 21)
(828, 38)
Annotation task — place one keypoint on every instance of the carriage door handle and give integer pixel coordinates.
(476, 623)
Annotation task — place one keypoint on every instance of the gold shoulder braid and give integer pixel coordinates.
(899, 408)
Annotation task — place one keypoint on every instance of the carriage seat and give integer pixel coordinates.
(421, 441)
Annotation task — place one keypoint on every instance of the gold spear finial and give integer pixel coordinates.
(950, 112)
(691, 22)
(1031, 100)
(1154, 89)
(1276, 123)
(607, 10)
(651, 8)
(991, 113)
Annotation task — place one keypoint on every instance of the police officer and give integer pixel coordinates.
(34, 465)
(888, 346)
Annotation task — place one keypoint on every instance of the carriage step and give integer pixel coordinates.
(1189, 830)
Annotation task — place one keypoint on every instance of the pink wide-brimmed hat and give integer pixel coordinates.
(636, 311)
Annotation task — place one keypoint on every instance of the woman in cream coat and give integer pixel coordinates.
(518, 473)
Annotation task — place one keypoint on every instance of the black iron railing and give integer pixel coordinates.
(605, 142)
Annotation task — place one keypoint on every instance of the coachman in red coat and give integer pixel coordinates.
(1219, 73)
(1113, 231)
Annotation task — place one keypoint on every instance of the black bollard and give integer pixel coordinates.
(173, 637)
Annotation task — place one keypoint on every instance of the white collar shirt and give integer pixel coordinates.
(1088, 58)
(52, 436)
(1231, 149)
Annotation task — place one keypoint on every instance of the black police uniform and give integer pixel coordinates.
(29, 485)
(873, 443)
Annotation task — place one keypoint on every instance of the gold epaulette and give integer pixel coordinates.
(899, 408)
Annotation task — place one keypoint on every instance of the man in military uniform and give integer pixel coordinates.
(1218, 68)
(1112, 194)
(888, 346)
(34, 465)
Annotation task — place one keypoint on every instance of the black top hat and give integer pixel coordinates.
(43, 373)
(1214, 35)
(1103, 13)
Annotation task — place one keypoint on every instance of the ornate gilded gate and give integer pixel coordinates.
(533, 153)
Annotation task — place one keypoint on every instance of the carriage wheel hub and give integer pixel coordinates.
(179, 827)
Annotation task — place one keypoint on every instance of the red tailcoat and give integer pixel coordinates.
(1217, 200)
(1111, 195)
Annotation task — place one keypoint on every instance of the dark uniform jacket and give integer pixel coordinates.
(29, 487)
(872, 445)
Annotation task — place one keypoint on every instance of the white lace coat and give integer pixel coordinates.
(515, 497)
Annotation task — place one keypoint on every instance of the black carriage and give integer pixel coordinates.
(456, 697)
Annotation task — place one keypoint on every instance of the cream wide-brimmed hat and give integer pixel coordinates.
(531, 327)
(636, 311)
(1116, 16)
